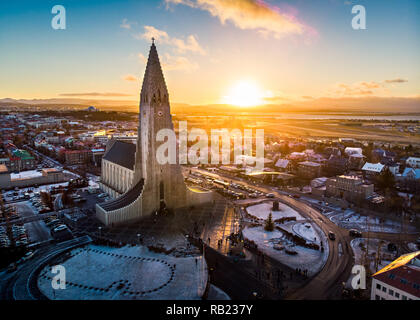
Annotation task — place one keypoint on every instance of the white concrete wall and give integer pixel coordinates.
(387, 292)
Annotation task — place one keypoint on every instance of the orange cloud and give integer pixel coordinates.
(129, 77)
(249, 14)
(95, 94)
(181, 46)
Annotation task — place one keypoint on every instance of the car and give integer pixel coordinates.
(61, 227)
(355, 233)
(331, 235)
(12, 267)
(391, 247)
(52, 222)
(296, 196)
(270, 195)
(28, 255)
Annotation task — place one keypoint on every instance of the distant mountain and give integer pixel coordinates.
(318, 105)
(70, 101)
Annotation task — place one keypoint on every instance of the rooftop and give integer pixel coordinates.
(121, 153)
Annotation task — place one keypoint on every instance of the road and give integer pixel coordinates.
(37, 230)
(327, 284)
(22, 284)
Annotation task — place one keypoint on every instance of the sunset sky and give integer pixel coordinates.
(286, 51)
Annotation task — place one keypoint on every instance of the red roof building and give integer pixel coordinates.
(400, 280)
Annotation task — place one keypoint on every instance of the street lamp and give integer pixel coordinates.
(138, 237)
(100, 228)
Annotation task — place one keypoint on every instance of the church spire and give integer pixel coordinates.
(153, 82)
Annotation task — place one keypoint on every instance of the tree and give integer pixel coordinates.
(385, 180)
(415, 204)
(269, 224)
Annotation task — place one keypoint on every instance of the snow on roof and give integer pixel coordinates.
(282, 163)
(375, 167)
(3, 168)
(25, 175)
(411, 172)
(351, 151)
(309, 163)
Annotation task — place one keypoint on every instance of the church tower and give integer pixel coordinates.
(164, 184)
(155, 186)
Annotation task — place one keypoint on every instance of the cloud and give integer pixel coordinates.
(95, 94)
(129, 77)
(256, 15)
(370, 103)
(125, 24)
(370, 85)
(173, 63)
(181, 46)
(365, 88)
(398, 80)
(177, 63)
(362, 88)
(275, 98)
(142, 58)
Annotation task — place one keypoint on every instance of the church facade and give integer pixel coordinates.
(118, 167)
(139, 183)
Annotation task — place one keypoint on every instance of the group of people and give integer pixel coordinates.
(302, 272)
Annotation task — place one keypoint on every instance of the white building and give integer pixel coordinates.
(350, 151)
(413, 162)
(372, 169)
(400, 280)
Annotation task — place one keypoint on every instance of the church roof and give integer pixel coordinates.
(122, 153)
(126, 199)
(153, 81)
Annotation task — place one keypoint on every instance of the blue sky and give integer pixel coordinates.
(232, 41)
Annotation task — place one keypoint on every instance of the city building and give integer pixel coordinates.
(72, 157)
(309, 170)
(283, 165)
(413, 162)
(336, 165)
(356, 161)
(30, 178)
(351, 188)
(399, 280)
(22, 160)
(372, 169)
(154, 186)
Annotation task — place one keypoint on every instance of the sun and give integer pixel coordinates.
(245, 93)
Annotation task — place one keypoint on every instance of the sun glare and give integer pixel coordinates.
(244, 94)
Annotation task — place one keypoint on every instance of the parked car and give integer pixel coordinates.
(355, 233)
